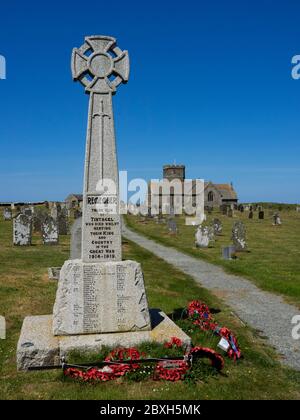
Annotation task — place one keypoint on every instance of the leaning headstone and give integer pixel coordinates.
(7, 214)
(239, 236)
(49, 231)
(22, 230)
(217, 226)
(202, 237)
(228, 252)
(261, 215)
(63, 225)
(101, 299)
(76, 234)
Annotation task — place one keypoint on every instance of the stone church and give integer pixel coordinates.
(215, 195)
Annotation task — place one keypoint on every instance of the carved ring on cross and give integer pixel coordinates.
(100, 65)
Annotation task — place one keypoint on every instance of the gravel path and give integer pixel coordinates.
(262, 310)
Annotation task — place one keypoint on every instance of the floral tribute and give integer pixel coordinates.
(200, 314)
(117, 364)
(121, 361)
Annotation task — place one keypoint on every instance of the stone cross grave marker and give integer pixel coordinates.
(110, 292)
(22, 230)
(239, 236)
(49, 231)
(101, 299)
(107, 67)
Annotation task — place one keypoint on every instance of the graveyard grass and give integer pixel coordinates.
(273, 260)
(26, 290)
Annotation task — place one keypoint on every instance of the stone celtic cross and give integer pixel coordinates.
(100, 66)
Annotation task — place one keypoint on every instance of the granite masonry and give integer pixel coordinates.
(101, 299)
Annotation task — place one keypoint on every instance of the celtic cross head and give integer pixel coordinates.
(99, 65)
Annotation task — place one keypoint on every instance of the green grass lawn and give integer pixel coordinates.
(273, 260)
(26, 290)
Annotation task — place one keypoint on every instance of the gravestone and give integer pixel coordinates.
(54, 273)
(250, 214)
(63, 225)
(202, 237)
(22, 230)
(54, 212)
(76, 234)
(101, 299)
(172, 226)
(276, 220)
(7, 214)
(261, 215)
(224, 209)
(77, 214)
(37, 220)
(50, 231)
(217, 226)
(27, 211)
(239, 236)
(228, 252)
(230, 212)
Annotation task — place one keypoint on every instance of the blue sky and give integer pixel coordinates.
(210, 87)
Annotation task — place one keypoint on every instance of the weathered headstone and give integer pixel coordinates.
(7, 214)
(22, 230)
(228, 252)
(54, 273)
(230, 212)
(49, 231)
(261, 215)
(54, 212)
(63, 225)
(276, 219)
(224, 209)
(37, 220)
(101, 299)
(76, 240)
(217, 226)
(202, 237)
(27, 211)
(239, 236)
(77, 214)
(172, 226)
(250, 214)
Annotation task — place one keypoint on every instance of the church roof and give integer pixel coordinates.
(227, 191)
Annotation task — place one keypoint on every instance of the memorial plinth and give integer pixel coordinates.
(101, 299)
